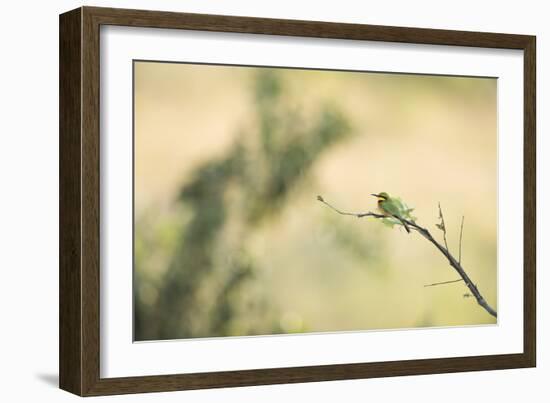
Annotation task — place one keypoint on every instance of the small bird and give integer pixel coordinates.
(390, 207)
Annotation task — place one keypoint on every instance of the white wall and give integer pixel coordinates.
(29, 198)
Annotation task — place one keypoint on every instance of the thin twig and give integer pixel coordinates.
(443, 282)
(442, 227)
(358, 215)
(445, 251)
(460, 241)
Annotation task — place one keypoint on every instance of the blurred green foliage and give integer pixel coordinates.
(207, 288)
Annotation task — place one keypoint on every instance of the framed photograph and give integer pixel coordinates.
(248, 201)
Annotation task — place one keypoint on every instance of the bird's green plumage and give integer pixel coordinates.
(391, 206)
(396, 209)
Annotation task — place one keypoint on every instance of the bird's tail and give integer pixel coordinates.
(404, 224)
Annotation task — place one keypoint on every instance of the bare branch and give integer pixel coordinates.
(460, 241)
(445, 251)
(443, 282)
(358, 215)
(441, 226)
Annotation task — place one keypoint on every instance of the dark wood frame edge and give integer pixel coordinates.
(79, 201)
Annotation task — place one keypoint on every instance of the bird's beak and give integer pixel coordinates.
(375, 195)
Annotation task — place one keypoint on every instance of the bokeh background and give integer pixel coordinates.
(230, 239)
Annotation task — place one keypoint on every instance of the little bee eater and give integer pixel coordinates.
(390, 207)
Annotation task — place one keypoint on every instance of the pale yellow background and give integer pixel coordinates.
(426, 139)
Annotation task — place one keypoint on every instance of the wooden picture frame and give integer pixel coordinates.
(79, 277)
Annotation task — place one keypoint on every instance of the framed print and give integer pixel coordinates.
(248, 201)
